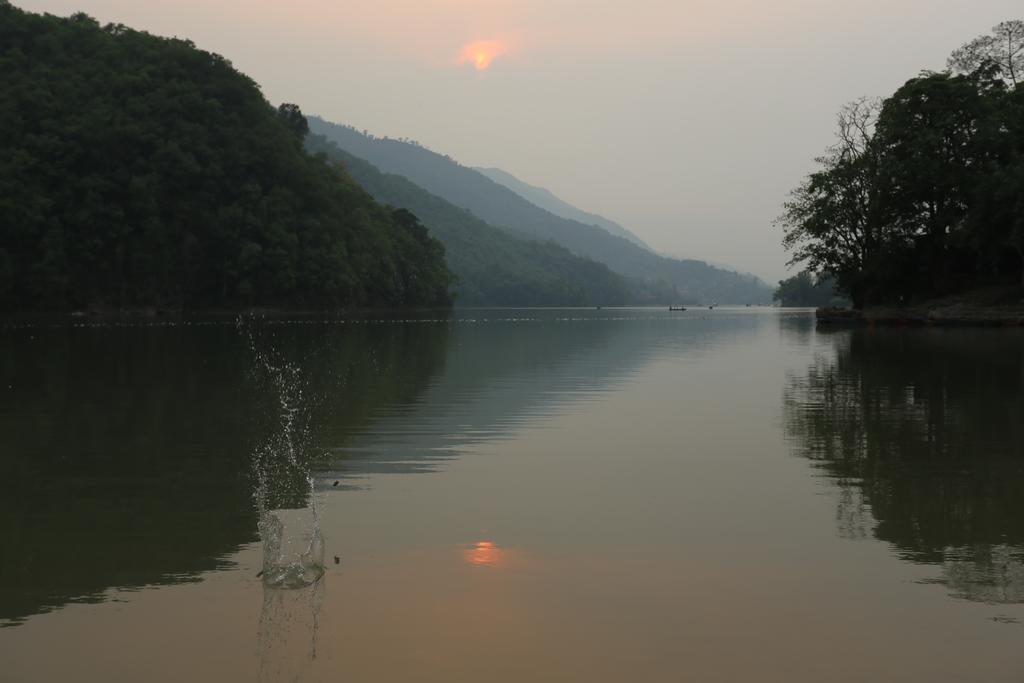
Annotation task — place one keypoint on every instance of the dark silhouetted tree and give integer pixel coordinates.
(1003, 49)
(830, 222)
(928, 200)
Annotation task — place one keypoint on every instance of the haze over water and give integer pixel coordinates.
(625, 494)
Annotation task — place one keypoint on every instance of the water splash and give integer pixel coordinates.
(293, 547)
(288, 632)
(284, 495)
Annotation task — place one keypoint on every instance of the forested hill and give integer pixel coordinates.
(545, 199)
(493, 267)
(500, 206)
(141, 171)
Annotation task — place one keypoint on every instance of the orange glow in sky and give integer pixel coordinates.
(481, 53)
(484, 554)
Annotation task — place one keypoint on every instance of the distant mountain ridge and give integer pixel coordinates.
(672, 279)
(493, 267)
(547, 200)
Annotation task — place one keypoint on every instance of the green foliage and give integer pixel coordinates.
(803, 289)
(137, 170)
(292, 117)
(923, 195)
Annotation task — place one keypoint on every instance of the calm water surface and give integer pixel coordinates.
(517, 495)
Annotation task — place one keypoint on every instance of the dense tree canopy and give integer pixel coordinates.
(806, 289)
(137, 170)
(923, 195)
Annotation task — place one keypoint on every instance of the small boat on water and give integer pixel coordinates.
(677, 308)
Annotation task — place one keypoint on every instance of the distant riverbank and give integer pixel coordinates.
(1003, 307)
(173, 316)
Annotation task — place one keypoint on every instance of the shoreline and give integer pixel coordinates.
(158, 313)
(158, 316)
(939, 315)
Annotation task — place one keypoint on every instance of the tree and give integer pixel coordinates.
(294, 119)
(803, 289)
(996, 221)
(830, 222)
(923, 195)
(1003, 49)
(934, 141)
(1012, 178)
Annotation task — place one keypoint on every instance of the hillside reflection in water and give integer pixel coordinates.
(521, 495)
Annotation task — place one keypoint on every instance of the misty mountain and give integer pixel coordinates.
(496, 204)
(545, 199)
(493, 267)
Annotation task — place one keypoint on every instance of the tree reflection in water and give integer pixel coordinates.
(923, 432)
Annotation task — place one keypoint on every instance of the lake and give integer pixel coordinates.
(513, 495)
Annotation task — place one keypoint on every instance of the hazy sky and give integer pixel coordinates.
(688, 121)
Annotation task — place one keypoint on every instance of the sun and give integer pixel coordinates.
(482, 53)
(484, 554)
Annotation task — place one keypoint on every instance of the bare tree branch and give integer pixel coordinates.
(1003, 50)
